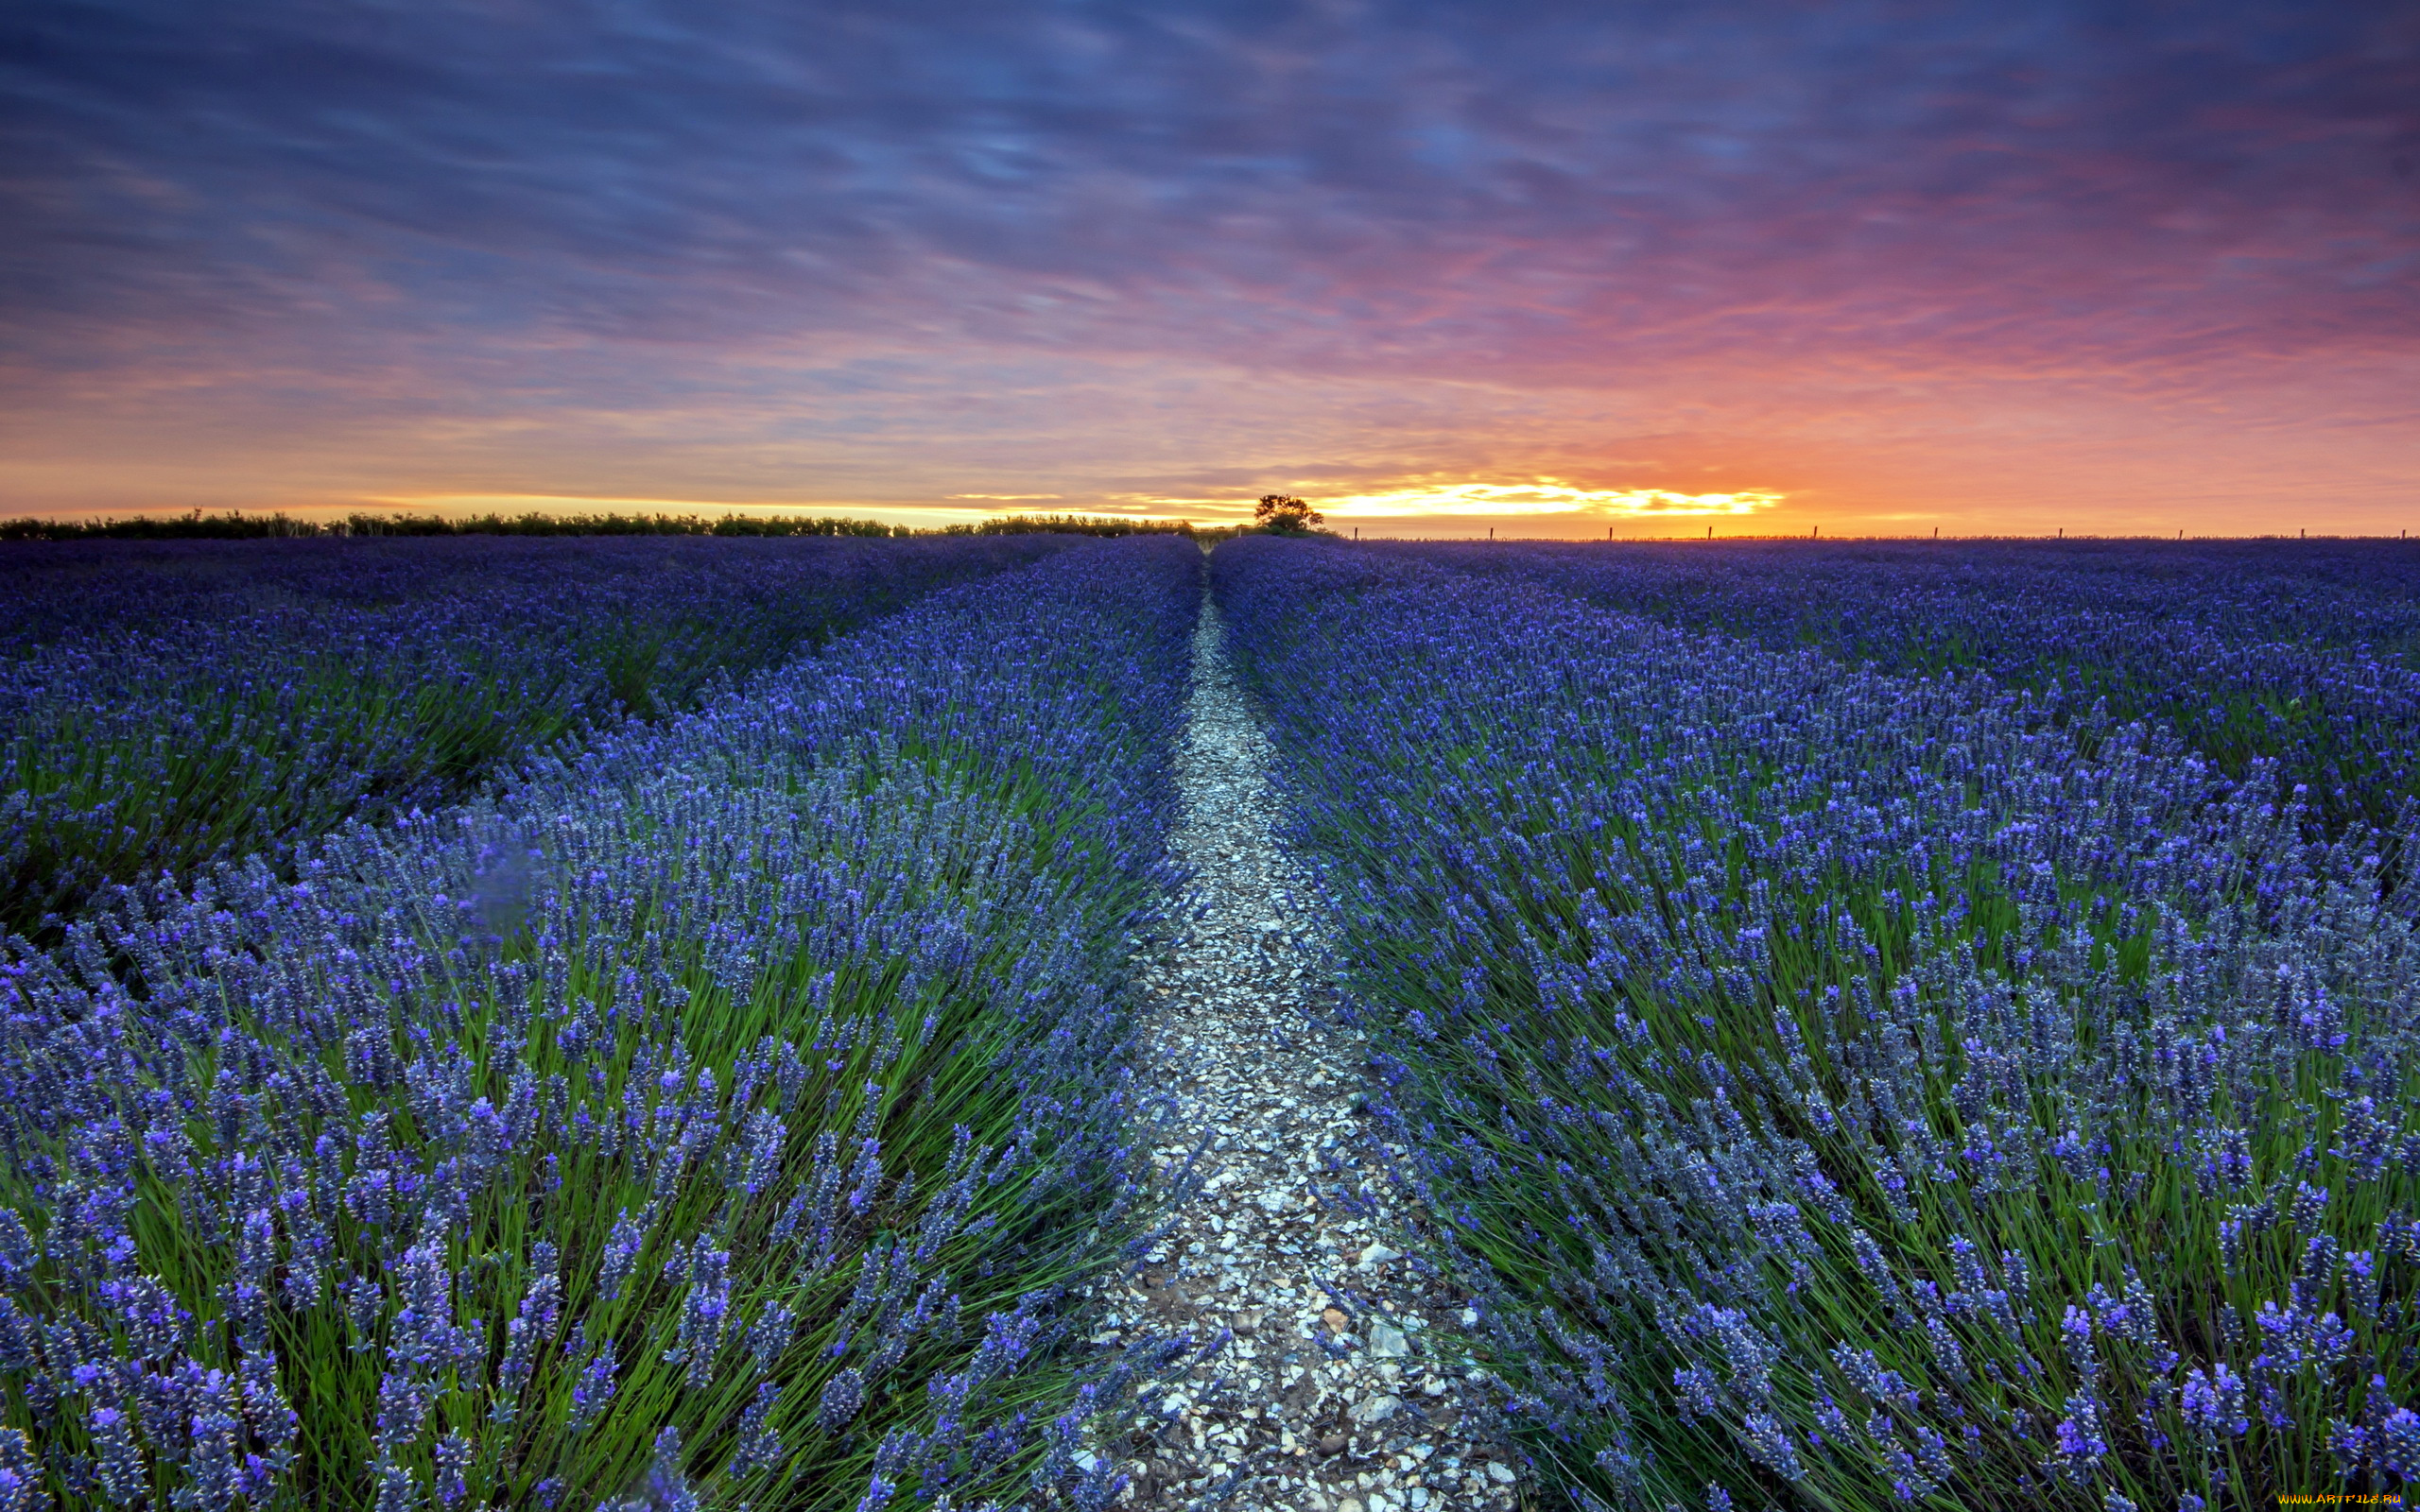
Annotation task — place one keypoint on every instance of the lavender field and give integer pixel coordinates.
(1850, 1088)
(2303, 654)
(716, 1106)
(577, 1024)
(164, 705)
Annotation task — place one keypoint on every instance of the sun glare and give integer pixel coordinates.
(1544, 496)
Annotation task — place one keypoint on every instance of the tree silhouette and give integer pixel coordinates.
(1281, 515)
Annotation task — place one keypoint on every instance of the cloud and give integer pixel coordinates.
(923, 251)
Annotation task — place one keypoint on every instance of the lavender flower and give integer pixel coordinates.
(621, 1255)
(2396, 1443)
(760, 1447)
(704, 1315)
(843, 1397)
(2080, 1445)
(20, 1474)
(594, 1390)
(1768, 1441)
(453, 1455)
(2075, 1337)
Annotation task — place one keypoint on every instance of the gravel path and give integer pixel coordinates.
(1338, 1392)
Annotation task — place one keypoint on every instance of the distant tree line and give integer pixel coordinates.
(1079, 525)
(237, 525)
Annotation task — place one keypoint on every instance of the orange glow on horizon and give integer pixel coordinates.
(1544, 496)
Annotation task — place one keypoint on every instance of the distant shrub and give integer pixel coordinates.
(237, 525)
(193, 525)
(234, 525)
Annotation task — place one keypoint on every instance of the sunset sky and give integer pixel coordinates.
(1553, 269)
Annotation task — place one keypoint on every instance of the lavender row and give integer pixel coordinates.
(2302, 655)
(1852, 1090)
(719, 1115)
(163, 705)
